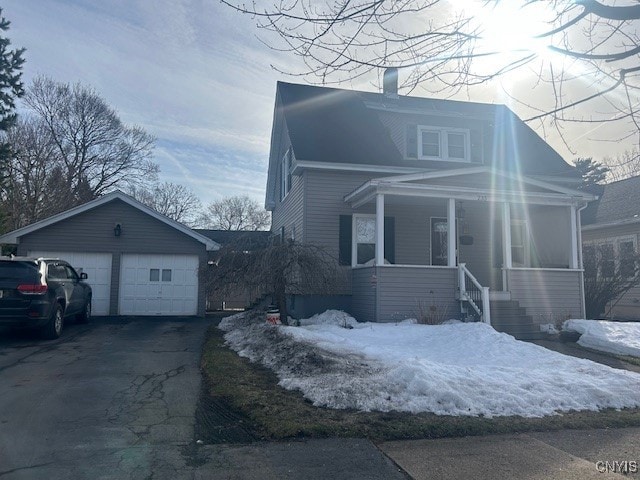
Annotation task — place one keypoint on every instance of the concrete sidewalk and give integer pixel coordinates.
(562, 455)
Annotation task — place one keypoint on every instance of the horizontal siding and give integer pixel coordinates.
(401, 290)
(413, 229)
(363, 299)
(547, 295)
(607, 232)
(325, 192)
(290, 211)
(92, 231)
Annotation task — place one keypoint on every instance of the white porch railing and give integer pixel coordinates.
(472, 292)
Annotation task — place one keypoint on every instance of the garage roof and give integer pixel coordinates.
(14, 236)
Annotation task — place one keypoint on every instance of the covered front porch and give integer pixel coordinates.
(463, 240)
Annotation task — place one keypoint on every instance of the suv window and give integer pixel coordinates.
(56, 271)
(71, 273)
(18, 270)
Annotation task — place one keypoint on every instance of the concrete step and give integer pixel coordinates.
(509, 317)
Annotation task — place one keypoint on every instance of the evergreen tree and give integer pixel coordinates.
(11, 86)
(593, 173)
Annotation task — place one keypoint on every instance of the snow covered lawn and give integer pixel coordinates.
(455, 369)
(620, 338)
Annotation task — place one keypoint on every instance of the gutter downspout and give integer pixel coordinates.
(580, 258)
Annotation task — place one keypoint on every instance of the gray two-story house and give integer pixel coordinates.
(454, 205)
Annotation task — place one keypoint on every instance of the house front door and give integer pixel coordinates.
(439, 238)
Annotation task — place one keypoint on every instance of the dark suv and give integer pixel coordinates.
(41, 293)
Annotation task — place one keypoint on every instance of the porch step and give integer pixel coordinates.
(509, 317)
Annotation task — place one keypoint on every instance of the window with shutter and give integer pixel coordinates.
(360, 228)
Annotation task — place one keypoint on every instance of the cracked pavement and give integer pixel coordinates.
(112, 399)
(117, 399)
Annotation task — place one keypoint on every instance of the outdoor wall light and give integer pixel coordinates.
(117, 230)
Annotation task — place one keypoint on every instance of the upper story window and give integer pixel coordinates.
(285, 169)
(449, 144)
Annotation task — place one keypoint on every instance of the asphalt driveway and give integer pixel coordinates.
(117, 399)
(112, 399)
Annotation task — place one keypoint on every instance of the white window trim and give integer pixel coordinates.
(430, 226)
(526, 243)
(444, 143)
(354, 237)
(286, 165)
(615, 242)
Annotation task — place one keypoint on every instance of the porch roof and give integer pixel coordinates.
(447, 184)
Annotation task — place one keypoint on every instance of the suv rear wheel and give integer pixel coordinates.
(53, 329)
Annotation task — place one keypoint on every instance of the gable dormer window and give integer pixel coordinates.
(449, 144)
(285, 171)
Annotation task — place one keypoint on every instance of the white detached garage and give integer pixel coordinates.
(138, 261)
(158, 284)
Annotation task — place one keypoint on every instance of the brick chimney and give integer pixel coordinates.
(390, 82)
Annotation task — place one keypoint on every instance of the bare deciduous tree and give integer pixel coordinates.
(235, 213)
(606, 280)
(26, 192)
(579, 51)
(624, 165)
(68, 148)
(171, 199)
(93, 147)
(281, 269)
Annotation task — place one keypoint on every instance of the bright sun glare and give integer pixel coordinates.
(508, 28)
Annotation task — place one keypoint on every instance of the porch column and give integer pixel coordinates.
(574, 237)
(379, 229)
(451, 233)
(506, 236)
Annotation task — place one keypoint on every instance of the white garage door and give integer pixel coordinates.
(158, 285)
(97, 266)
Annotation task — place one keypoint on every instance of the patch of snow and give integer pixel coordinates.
(452, 321)
(549, 328)
(620, 338)
(232, 321)
(408, 321)
(330, 317)
(459, 369)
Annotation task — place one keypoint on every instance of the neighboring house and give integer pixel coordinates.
(235, 297)
(138, 261)
(612, 225)
(378, 180)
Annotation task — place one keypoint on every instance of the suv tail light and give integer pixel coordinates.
(32, 288)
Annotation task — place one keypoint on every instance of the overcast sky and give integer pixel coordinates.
(191, 72)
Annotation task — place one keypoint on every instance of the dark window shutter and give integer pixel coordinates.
(390, 239)
(412, 141)
(345, 240)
